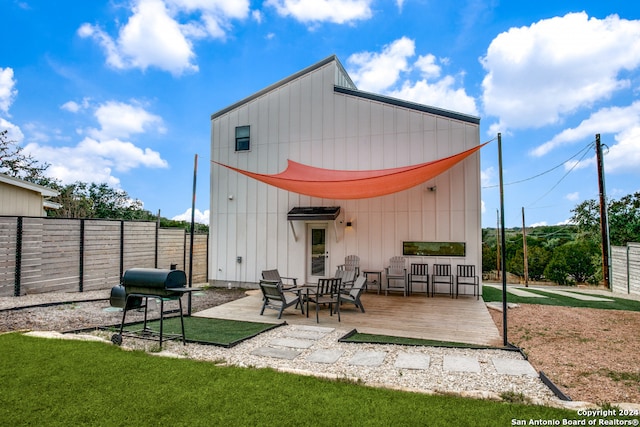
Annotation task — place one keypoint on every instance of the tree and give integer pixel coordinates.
(573, 262)
(624, 219)
(82, 200)
(15, 163)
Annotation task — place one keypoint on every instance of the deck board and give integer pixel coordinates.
(464, 320)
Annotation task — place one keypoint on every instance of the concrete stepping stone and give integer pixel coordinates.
(577, 295)
(325, 356)
(523, 293)
(319, 329)
(461, 364)
(514, 367)
(278, 353)
(307, 335)
(292, 342)
(368, 358)
(412, 361)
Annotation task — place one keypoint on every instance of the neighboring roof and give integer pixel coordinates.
(344, 84)
(354, 184)
(16, 182)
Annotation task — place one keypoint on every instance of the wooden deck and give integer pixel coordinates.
(440, 318)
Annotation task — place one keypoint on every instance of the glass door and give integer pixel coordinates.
(317, 252)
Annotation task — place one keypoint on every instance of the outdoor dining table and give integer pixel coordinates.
(305, 289)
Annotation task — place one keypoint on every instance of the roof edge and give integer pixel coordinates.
(411, 105)
(282, 82)
(41, 189)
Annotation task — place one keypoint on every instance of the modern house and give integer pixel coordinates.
(311, 169)
(23, 198)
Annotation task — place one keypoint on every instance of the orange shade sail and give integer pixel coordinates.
(351, 184)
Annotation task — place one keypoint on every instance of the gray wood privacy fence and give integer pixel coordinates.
(625, 269)
(40, 255)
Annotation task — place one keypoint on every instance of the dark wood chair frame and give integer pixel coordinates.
(275, 298)
(466, 276)
(419, 273)
(441, 274)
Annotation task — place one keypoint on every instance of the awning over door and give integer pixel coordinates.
(314, 213)
(353, 184)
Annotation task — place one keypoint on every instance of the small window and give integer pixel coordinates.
(243, 142)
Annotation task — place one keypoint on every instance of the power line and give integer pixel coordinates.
(588, 146)
(563, 176)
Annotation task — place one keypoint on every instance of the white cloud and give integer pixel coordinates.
(539, 224)
(624, 156)
(103, 152)
(199, 216)
(94, 161)
(537, 75)
(606, 120)
(488, 177)
(572, 197)
(376, 72)
(7, 89)
(120, 120)
(154, 37)
(382, 71)
(335, 11)
(440, 94)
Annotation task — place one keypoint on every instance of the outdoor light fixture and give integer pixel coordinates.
(432, 189)
(349, 224)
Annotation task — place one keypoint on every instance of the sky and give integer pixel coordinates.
(122, 91)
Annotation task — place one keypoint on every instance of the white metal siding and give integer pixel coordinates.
(306, 121)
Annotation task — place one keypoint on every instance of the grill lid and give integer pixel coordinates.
(154, 278)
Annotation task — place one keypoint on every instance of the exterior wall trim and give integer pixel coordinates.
(410, 105)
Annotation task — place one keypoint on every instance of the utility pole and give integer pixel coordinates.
(525, 252)
(604, 222)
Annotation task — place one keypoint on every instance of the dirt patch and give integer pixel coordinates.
(592, 355)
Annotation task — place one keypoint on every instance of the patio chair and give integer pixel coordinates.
(274, 275)
(419, 273)
(351, 262)
(396, 271)
(348, 278)
(441, 276)
(466, 276)
(276, 298)
(327, 293)
(353, 296)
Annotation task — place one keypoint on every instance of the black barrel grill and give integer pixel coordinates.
(140, 284)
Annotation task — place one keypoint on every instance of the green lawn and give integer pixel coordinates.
(68, 383)
(491, 294)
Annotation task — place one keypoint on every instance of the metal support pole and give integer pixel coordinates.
(193, 212)
(503, 261)
(18, 270)
(525, 253)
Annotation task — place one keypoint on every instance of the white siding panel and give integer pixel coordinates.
(306, 121)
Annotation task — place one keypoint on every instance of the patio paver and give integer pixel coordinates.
(325, 356)
(412, 361)
(461, 364)
(368, 358)
(514, 367)
(278, 353)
